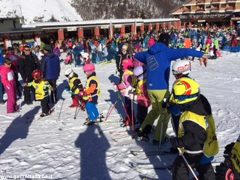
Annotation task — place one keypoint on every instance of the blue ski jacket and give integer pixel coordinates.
(158, 61)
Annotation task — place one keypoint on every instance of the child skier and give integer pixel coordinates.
(230, 168)
(143, 101)
(9, 83)
(91, 93)
(42, 89)
(126, 88)
(196, 136)
(75, 87)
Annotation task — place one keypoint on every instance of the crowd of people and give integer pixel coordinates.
(143, 65)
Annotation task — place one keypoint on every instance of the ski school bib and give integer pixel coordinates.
(211, 146)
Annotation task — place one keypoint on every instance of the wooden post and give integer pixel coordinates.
(60, 36)
(80, 33)
(122, 31)
(96, 32)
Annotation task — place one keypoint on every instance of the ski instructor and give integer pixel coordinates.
(157, 61)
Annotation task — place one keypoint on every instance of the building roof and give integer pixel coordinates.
(97, 22)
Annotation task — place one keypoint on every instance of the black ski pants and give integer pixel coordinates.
(182, 172)
(45, 105)
(53, 95)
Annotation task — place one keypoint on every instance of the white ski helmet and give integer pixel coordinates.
(138, 72)
(69, 73)
(181, 67)
(85, 55)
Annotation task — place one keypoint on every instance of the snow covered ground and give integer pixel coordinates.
(40, 10)
(60, 147)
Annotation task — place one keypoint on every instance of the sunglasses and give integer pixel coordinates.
(26, 49)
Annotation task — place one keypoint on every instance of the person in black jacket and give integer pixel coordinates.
(26, 66)
(123, 54)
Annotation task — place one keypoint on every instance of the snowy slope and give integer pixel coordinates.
(39, 10)
(60, 147)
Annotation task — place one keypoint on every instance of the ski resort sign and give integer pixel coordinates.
(71, 28)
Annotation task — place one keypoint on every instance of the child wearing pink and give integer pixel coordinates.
(143, 101)
(125, 88)
(9, 83)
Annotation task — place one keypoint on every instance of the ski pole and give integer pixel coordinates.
(120, 98)
(189, 167)
(110, 110)
(160, 141)
(76, 112)
(59, 115)
(132, 107)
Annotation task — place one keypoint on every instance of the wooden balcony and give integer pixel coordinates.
(215, 1)
(231, 1)
(214, 9)
(230, 8)
(199, 10)
(200, 1)
(186, 11)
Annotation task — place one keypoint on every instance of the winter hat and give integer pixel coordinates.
(7, 61)
(151, 42)
(164, 38)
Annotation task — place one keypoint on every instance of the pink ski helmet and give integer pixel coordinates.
(89, 67)
(127, 64)
(151, 42)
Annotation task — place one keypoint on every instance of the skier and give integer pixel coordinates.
(126, 88)
(123, 54)
(230, 168)
(75, 87)
(180, 69)
(9, 84)
(42, 89)
(143, 101)
(196, 138)
(90, 94)
(157, 60)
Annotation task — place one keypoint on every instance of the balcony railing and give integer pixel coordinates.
(231, 1)
(199, 10)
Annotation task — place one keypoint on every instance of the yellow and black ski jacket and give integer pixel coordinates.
(196, 133)
(75, 85)
(42, 89)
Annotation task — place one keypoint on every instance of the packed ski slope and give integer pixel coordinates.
(60, 147)
(40, 10)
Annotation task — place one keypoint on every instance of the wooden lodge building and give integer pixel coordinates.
(81, 29)
(209, 12)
